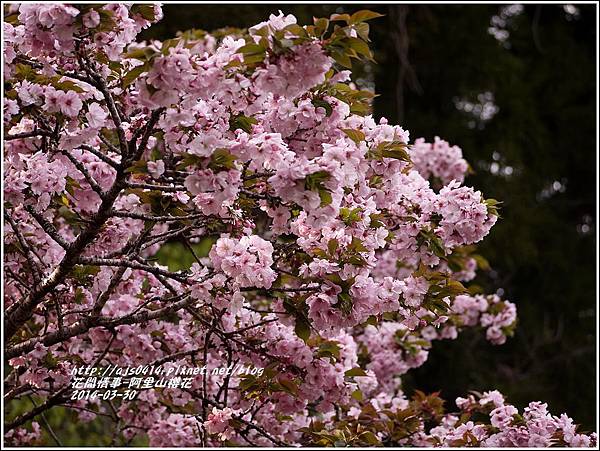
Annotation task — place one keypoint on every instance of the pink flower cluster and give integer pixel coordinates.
(48, 27)
(218, 423)
(23, 436)
(247, 260)
(535, 427)
(499, 317)
(326, 250)
(213, 193)
(175, 431)
(281, 78)
(465, 218)
(438, 160)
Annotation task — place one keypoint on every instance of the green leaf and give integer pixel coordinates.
(288, 386)
(322, 103)
(251, 60)
(433, 241)
(329, 349)
(370, 438)
(482, 262)
(344, 303)
(356, 260)
(222, 159)
(253, 53)
(71, 185)
(363, 16)
(81, 272)
(321, 26)
(325, 196)
(372, 320)
(377, 220)
(146, 11)
(133, 74)
(350, 216)
(332, 246)
(359, 100)
(189, 160)
(357, 245)
(302, 328)
(143, 54)
(342, 58)
(138, 167)
(296, 30)
(393, 149)
(263, 31)
(314, 181)
(362, 29)
(107, 22)
(492, 206)
(79, 296)
(357, 394)
(356, 371)
(67, 85)
(242, 122)
(24, 72)
(50, 361)
(454, 264)
(355, 135)
(340, 18)
(316, 178)
(12, 19)
(361, 47)
(247, 382)
(169, 43)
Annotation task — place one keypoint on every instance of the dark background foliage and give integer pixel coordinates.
(515, 88)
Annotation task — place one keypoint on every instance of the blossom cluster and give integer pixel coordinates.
(480, 420)
(439, 160)
(506, 427)
(247, 260)
(326, 247)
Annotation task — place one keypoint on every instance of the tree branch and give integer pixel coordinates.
(130, 264)
(32, 134)
(88, 177)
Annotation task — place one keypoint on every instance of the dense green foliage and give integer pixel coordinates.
(434, 63)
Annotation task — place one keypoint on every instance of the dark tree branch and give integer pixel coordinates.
(31, 134)
(47, 227)
(88, 177)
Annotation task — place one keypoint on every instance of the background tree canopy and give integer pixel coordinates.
(514, 86)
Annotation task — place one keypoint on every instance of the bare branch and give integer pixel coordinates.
(47, 227)
(35, 272)
(148, 217)
(164, 188)
(100, 155)
(32, 134)
(149, 128)
(130, 264)
(88, 177)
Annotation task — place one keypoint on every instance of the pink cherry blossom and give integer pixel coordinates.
(227, 200)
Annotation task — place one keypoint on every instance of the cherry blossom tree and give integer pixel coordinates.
(339, 252)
